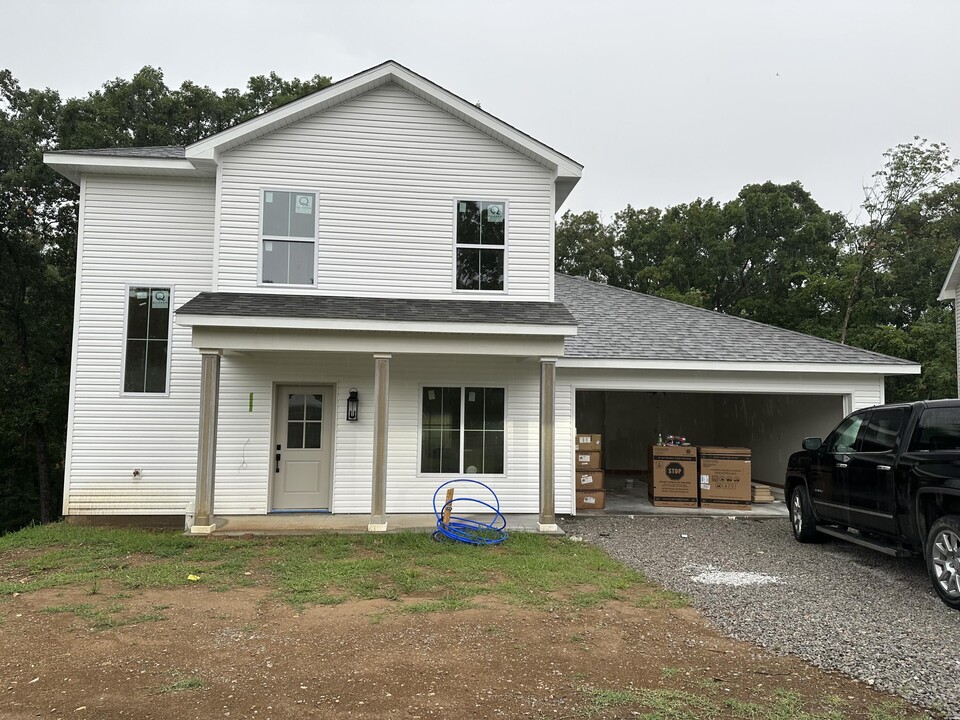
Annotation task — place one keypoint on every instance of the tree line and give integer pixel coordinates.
(771, 254)
(38, 235)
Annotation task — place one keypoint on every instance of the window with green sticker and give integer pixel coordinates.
(147, 342)
(481, 234)
(288, 231)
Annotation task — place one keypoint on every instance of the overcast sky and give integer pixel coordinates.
(662, 102)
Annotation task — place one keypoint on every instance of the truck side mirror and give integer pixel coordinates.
(812, 443)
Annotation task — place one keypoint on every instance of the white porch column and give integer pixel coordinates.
(548, 381)
(203, 521)
(381, 409)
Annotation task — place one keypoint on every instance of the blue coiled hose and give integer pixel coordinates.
(467, 530)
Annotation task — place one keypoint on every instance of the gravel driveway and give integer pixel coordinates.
(836, 605)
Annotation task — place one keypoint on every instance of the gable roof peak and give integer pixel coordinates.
(389, 71)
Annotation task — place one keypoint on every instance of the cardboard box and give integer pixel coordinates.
(591, 480)
(724, 478)
(673, 476)
(591, 499)
(588, 442)
(587, 460)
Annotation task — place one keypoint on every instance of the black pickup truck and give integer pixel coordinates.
(888, 477)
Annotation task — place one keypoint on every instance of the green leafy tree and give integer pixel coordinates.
(911, 170)
(38, 228)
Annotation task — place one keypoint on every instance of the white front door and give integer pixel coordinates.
(302, 448)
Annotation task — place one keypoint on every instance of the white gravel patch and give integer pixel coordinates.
(836, 605)
(713, 576)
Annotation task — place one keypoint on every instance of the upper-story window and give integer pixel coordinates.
(481, 242)
(147, 340)
(288, 231)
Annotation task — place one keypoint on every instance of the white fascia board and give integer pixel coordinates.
(274, 340)
(351, 87)
(717, 366)
(375, 326)
(72, 166)
(949, 290)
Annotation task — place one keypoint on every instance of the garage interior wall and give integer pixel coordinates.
(772, 426)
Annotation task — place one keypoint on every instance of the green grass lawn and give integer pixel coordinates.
(528, 570)
(425, 576)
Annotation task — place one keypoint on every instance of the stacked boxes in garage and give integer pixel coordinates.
(673, 476)
(588, 473)
(725, 475)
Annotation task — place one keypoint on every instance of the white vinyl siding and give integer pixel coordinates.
(244, 446)
(137, 232)
(388, 167)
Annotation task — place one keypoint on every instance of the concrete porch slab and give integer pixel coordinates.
(310, 523)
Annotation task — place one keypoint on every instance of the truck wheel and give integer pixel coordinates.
(801, 517)
(942, 552)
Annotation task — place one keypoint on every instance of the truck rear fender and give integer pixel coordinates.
(933, 503)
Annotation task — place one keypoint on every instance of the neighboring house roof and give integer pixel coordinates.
(202, 156)
(949, 289)
(160, 151)
(618, 324)
(249, 306)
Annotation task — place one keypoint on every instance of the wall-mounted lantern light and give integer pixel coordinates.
(353, 405)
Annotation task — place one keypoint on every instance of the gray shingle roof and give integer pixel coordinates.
(162, 151)
(393, 309)
(616, 323)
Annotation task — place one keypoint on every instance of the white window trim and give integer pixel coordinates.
(463, 388)
(506, 243)
(316, 237)
(123, 338)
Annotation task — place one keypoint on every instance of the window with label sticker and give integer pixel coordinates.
(462, 430)
(288, 229)
(147, 342)
(481, 234)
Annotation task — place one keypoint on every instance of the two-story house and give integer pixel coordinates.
(342, 303)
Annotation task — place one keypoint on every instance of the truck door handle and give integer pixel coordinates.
(839, 465)
(884, 467)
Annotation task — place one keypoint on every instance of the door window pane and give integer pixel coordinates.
(294, 435)
(147, 343)
(312, 434)
(844, 438)
(938, 429)
(314, 407)
(295, 406)
(881, 430)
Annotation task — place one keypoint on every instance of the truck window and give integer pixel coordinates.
(881, 429)
(937, 429)
(844, 438)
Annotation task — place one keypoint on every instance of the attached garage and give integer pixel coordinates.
(641, 367)
(770, 425)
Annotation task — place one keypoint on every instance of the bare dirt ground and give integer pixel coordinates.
(194, 653)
